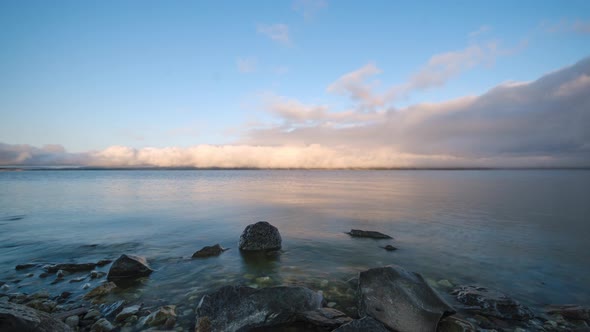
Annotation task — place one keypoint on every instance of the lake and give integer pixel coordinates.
(523, 232)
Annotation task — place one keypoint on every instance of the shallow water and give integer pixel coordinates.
(523, 232)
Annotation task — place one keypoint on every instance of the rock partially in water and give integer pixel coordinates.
(72, 321)
(103, 262)
(129, 267)
(18, 318)
(209, 251)
(165, 316)
(492, 303)
(101, 290)
(42, 305)
(400, 299)
(102, 325)
(127, 312)
(570, 312)
(454, 324)
(260, 236)
(364, 324)
(240, 308)
(389, 247)
(69, 267)
(369, 234)
(24, 266)
(324, 318)
(111, 310)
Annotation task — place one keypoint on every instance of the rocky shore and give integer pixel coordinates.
(385, 298)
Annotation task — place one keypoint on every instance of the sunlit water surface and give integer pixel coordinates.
(526, 233)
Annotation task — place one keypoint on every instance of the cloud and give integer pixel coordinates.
(309, 8)
(277, 32)
(484, 29)
(246, 65)
(542, 123)
(567, 26)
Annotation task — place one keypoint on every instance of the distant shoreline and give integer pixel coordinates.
(149, 168)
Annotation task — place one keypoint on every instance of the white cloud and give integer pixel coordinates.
(309, 8)
(246, 65)
(277, 32)
(567, 25)
(482, 30)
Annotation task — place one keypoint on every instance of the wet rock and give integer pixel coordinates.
(444, 283)
(127, 312)
(79, 279)
(102, 325)
(17, 318)
(103, 262)
(5, 288)
(101, 290)
(400, 299)
(570, 312)
(74, 312)
(86, 286)
(389, 247)
(65, 295)
(96, 274)
(30, 275)
(43, 275)
(324, 318)
(362, 325)
(111, 310)
(129, 267)
(72, 321)
(42, 305)
(165, 315)
(454, 324)
(234, 308)
(92, 314)
(69, 267)
(260, 236)
(24, 266)
(492, 303)
(209, 251)
(369, 234)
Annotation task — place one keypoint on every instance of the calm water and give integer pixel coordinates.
(526, 233)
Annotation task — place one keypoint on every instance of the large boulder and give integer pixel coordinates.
(260, 236)
(129, 267)
(362, 325)
(241, 308)
(18, 318)
(400, 299)
(492, 303)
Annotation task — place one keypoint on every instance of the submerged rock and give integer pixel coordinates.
(389, 247)
(492, 303)
(24, 266)
(209, 251)
(127, 312)
(101, 290)
(164, 316)
(362, 325)
(129, 267)
(17, 318)
(400, 299)
(570, 312)
(69, 267)
(260, 236)
(454, 324)
(324, 318)
(369, 234)
(240, 308)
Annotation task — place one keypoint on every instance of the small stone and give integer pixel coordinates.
(72, 321)
(369, 234)
(102, 325)
(161, 316)
(40, 295)
(127, 312)
(60, 274)
(209, 251)
(92, 314)
(65, 295)
(79, 279)
(30, 275)
(86, 286)
(43, 275)
(389, 247)
(96, 274)
(129, 267)
(103, 262)
(101, 290)
(260, 236)
(4, 288)
(24, 266)
(445, 283)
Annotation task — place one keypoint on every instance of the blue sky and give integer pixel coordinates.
(92, 74)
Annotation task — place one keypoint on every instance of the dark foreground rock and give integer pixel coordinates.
(129, 267)
(69, 267)
(18, 318)
(240, 308)
(369, 234)
(260, 236)
(209, 251)
(570, 312)
(400, 299)
(362, 325)
(389, 247)
(492, 303)
(324, 318)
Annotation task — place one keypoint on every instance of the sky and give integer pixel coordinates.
(298, 83)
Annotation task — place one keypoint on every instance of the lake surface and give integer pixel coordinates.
(526, 233)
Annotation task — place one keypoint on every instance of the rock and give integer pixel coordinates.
(30, 275)
(444, 283)
(71, 268)
(96, 274)
(17, 318)
(103, 262)
(102, 325)
(129, 267)
(492, 303)
(370, 234)
(233, 308)
(127, 312)
(362, 325)
(324, 318)
(74, 312)
(111, 310)
(24, 266)
(42, 305)
(570, 312)
(101, 290)
(5, 288)
(73, 321)
(389, 247)
(86, 286)
(163, 316)
(60, 274)
(209, 251)
(260, 236)
(92, 314)
(454, 324)
(79, 279)
(400, 299)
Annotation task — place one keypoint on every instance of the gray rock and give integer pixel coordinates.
(103, 262)
(260, 236)
(454, 324)
(240, 308)
(389, 247)
(400, 299)
(96, 274)
(42, 305)
(127, 312)
(18, 318)
(101, 290)
(92, 314)
(129, 267)
(73, 321)
(209, 251)
(369, 234)
(570, 312)
(492, 303)
(102, 325)
(24, 266)
(164, 316)
(69, 267)
(324, 318)
(362, 325)
(111, 310)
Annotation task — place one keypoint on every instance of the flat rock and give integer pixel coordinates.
(18, 318)
(129, 267)
(389, 247)
(102, 325)
(362, 325)
(260, 236)
(24, 266)
(109, 311)
(324, 318)
(69, 267)
(127, 312)
(163, 316)
(101, 290)
(570, 312)
(492, 303)
(240, 308)
(369, 234)
(209, 251)
(400, 299)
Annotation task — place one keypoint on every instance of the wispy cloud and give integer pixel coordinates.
(277, 32)
(246, 65)
(309, 8)
(567, 25)
(482, 30)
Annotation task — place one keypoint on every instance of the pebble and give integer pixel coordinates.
(92, 314)
(102, 325)
(72, 321)
(4, 288)
(86, 286)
